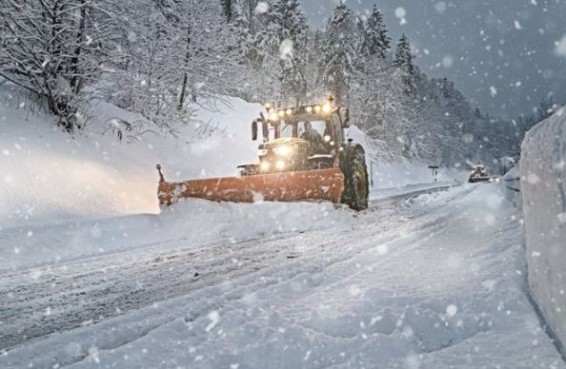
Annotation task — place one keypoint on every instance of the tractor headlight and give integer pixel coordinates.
(274, 117)
(326, 108)
(264, 166)
(261, 152)
(327, 138)
(283, 150)
(280, 165)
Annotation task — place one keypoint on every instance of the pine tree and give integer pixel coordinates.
(253, 33)
(339, 53)
(376, 41)
(477, 113)
(227, 9)
(404, 61)
(384, 38)
(290, 42)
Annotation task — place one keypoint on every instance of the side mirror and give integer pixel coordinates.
(265, 129)
(254, 130)
(346, 119)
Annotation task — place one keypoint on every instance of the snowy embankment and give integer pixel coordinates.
(443, 290)
(543, 178)
(402, 176)
(48, 175)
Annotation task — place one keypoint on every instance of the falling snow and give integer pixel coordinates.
(436, 273)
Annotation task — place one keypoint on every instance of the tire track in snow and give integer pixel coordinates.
(167, 275)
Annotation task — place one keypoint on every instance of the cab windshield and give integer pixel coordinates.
(287, 128)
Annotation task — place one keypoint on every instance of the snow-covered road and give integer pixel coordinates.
(429, 281)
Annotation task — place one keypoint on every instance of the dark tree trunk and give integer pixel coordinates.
(183, 95)
(76, 80)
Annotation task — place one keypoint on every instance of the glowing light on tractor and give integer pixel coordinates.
(283, 150)
(264, 167)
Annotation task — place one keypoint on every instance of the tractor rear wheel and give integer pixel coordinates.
(356, 191)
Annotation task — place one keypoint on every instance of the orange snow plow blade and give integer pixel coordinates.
(312, 185)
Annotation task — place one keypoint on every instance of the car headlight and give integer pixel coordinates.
(283, 150)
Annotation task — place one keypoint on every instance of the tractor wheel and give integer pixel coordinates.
(356, 182)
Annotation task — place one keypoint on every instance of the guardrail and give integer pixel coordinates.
(513, 189)
(513, 184)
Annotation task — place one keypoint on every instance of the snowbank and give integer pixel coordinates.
(191, 224)
(390, 177)
(48, 175)
(543, 177)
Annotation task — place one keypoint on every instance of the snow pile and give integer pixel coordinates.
(191, 224)
(48, 175)
(543, 177)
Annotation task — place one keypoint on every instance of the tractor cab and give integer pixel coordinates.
(294, 139)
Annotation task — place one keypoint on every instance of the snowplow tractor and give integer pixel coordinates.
(303, 156)
(478, 174)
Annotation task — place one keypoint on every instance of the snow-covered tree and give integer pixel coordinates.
(252, 31)
(339, 52)
(404, 61)
(375, 38)
(290, 30)
(53, 48)
(227, 10)
(177, 52)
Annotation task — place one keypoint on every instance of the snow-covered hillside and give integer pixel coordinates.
(543, 174)
(48, 175)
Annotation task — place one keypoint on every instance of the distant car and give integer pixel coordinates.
(478, 174)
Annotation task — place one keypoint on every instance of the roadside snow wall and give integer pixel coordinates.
(543, 178)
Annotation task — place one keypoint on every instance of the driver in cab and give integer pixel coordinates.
(316, 143)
